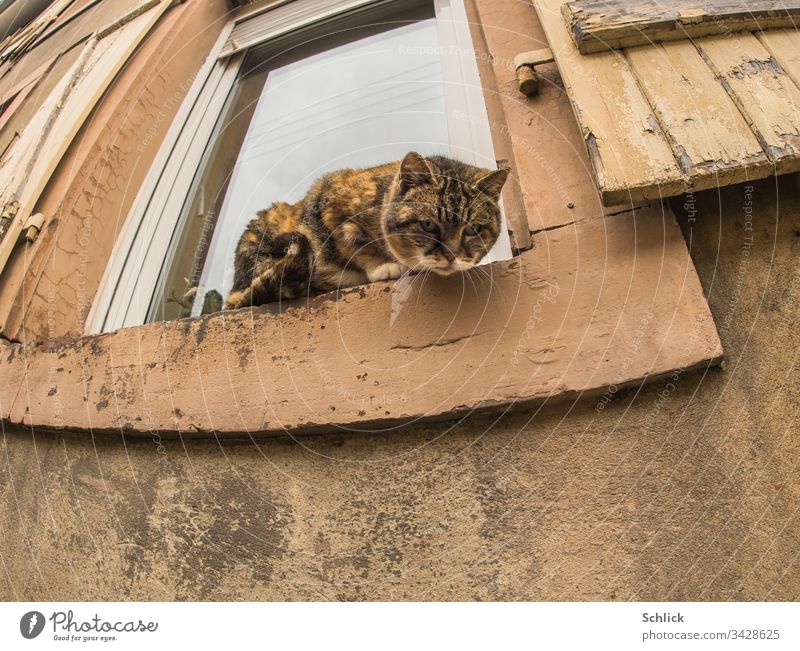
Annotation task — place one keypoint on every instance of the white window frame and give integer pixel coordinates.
(130, 278)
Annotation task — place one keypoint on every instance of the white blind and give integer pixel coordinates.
(284, 18)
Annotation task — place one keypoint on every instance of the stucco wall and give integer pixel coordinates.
(672, 492)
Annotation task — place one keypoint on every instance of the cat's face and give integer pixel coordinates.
(443, 215)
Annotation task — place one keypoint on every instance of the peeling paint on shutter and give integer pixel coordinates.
(32, 159)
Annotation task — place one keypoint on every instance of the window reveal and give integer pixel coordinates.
(304, 89)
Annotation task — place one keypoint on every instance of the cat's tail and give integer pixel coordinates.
(287, 276)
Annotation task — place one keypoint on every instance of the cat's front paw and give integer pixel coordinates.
(386, 271)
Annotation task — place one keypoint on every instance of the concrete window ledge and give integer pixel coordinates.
(601, 303)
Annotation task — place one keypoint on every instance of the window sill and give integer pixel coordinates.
(602, 303)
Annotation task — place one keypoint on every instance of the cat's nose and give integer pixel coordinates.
(448, 254)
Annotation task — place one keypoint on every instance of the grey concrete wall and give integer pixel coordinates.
(681, 490)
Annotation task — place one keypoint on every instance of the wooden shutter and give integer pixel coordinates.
(685, 115)
(33, 157)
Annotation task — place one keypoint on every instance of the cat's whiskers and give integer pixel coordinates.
(427, 272)
(485, 273)
(409, 272)
(472, 282)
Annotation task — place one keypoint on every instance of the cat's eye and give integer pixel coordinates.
(428, 225)
(472, 229)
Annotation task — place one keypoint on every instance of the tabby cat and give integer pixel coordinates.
(362, 225)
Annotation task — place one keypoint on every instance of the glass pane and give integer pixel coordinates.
(176, 290)
(359, 104)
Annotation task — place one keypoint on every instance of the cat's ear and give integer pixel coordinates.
(492, 182)
(414, 170)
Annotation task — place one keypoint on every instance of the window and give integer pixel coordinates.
(291, 93)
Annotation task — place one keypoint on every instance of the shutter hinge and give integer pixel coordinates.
(32, 226)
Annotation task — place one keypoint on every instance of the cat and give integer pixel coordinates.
(363, 225)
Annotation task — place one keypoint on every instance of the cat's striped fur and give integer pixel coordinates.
(363, 225)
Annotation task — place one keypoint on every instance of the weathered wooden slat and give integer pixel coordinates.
(712, 142)
(763, 92)
(20, 92)
(606, 302)
(19, 41)
(599, 25)
(630, 155)
(784, 46)
(35, 155)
